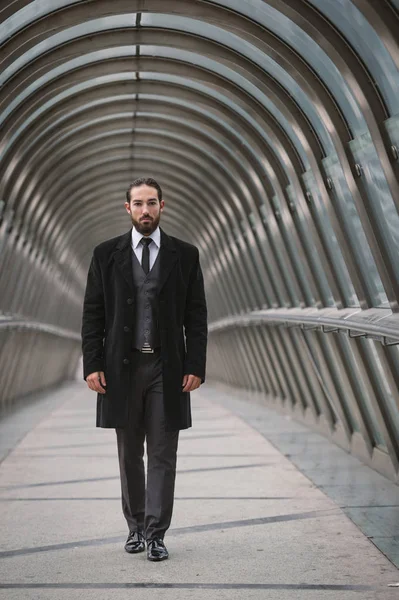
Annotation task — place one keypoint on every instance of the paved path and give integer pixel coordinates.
(247, 523)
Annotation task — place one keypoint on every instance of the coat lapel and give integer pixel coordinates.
(168, 258)
(123, 257)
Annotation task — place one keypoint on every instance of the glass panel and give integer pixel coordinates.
(312, 254)
(33, 11)
(291, 250)
(282, 298)
(386, 399)
(392, 128)
(355, 27)
(243, 47)
(338, 378)
(309, 50)
(83, 29)
(229, 73)
(327, 233)
(260, 283)
(353, 228)
(384, 211)
(362, 392)
(87, 59)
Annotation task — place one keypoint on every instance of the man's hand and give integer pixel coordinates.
(96, 382)
(191, 383)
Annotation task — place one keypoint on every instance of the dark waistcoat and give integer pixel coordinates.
(146, 322)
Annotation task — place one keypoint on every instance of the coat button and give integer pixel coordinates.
(130, 300)
(126, 361)
(126, 328)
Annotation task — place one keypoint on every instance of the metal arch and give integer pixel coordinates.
(142, 138)
(93, 175)
(174, 39)
(249, 30)
(384, 20)
(45, 183)
(192, 174)
(178, 154)
(229, 291)
(367, 98)
(377, 249)
(237, 266)
(310, 278)
(76, 234)
(209, 229)
(181, 220)
(200, 217)
(147, 8)
(336, 293)
(332, 283)
(236, 124)
(271, 128)
(88, 156)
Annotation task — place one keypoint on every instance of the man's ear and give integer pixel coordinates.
(127, 206)
(162, 204)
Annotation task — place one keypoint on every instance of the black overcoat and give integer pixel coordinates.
(108, 320)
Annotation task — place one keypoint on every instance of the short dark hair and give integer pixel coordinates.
(144, 181)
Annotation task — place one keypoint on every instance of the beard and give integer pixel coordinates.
(148, 227)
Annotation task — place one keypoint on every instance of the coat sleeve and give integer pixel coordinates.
(93, 322)
(195, 323)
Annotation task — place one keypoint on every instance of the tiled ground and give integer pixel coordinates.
(247, 522)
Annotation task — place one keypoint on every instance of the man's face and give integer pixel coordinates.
(144, 208)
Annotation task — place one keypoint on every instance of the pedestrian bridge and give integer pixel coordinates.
(263, 509)
(273, 128)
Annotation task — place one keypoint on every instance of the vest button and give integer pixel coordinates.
(126, 328)
(130, 301)
(126, 361)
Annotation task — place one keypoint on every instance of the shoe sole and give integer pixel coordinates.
(157, 559)
(134, 551)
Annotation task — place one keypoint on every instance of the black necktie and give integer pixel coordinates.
(145, 259)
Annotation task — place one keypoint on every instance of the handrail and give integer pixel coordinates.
(380, 324)
(18, 322)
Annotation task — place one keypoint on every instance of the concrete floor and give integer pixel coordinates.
(247, 522)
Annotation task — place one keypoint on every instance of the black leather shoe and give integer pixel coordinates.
(135, 542)
(156, 550)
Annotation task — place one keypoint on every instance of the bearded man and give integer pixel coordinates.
(144, 336)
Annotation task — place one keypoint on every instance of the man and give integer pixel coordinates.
(144, 334)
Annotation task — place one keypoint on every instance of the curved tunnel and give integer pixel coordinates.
(273, 128)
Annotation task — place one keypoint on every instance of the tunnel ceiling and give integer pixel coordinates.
(273, 129)
(226, 103)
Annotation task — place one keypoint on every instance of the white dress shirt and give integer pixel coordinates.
(154, 247)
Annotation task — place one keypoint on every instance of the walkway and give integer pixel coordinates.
(247, 522)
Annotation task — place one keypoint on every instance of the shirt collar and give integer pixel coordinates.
(155, 236)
